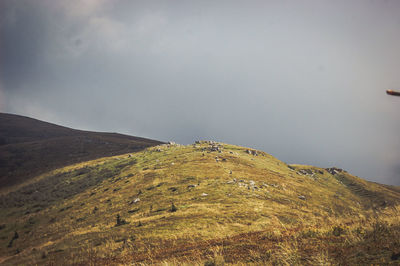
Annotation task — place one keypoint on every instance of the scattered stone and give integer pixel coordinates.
(230, 182)
(302, 197)
(192, 186)
(134, 201)
(334, 170)
(173, 189)
(204, 194)
(252, 152)
(230, 172)
(214, 148)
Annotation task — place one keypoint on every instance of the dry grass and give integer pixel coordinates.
(232, 207)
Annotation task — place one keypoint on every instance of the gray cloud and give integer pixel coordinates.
(302, 80)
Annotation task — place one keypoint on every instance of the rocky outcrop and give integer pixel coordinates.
(334, 170)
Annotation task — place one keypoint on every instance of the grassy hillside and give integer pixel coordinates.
(29, 147)
(206, 204)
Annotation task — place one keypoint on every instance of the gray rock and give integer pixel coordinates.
(302, 197)
(334, 170)
(252, 152)
(134, 201)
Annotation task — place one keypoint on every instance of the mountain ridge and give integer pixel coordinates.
(30, 147)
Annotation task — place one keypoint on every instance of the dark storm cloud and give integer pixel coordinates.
(302, 80)
(23, 32)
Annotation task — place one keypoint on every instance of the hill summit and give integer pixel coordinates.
(207, 203)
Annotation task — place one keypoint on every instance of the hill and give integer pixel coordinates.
(30, 147)
(202, 204)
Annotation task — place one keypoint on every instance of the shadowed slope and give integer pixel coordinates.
(29, 147)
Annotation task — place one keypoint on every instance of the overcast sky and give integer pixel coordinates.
(302, 80)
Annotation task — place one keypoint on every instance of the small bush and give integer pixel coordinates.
(120, 221)
(217, 260)
(379, 230)
(12, 239)
(173, 208)
(338, 231)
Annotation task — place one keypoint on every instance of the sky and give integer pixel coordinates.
(303, 80)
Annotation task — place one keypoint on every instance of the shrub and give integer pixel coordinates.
(338, 231)
(120, 221)
(173, 207)
(218, 260)
(12, 239)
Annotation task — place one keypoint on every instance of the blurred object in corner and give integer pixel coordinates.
(392, 92)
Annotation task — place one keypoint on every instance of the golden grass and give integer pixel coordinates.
(232, 208)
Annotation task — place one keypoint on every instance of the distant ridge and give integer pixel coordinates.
(29, 147)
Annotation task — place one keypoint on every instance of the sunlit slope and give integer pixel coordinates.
(172, 198)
